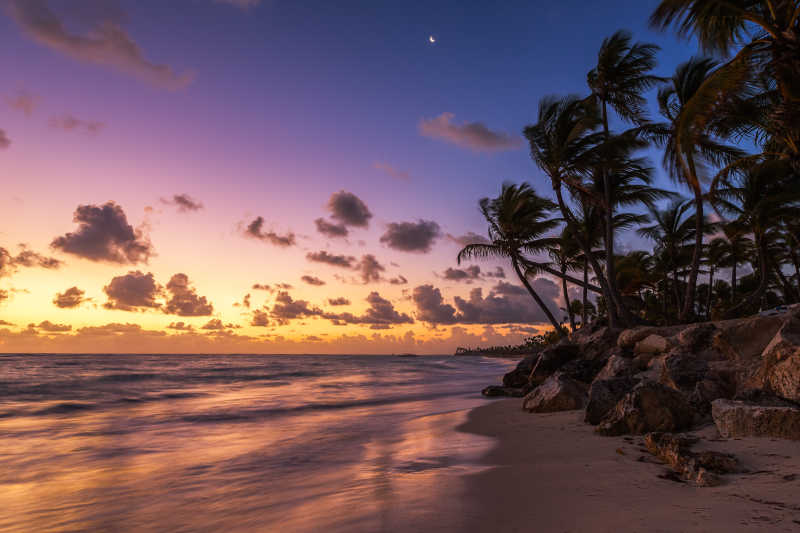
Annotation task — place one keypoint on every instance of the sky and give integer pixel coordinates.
(267, 176)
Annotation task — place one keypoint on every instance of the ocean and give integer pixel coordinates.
(234, 443)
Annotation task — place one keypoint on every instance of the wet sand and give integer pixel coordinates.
(552, 473)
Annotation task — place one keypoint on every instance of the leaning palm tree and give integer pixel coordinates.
(621, 76)
(564, 254)
(716, 255)
(517, 219)
(687, 155)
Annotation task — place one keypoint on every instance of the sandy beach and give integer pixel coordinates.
(552, 473)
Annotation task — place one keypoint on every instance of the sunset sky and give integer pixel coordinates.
(273, 176)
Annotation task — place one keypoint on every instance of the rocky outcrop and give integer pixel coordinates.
(558, 393)
(650, 406)
(616, 366)
(700, 468)
(652, 344)
(604, 394)
(520, 375)
(780, 362)
(551, 359)
(497, 390)
(776, 419)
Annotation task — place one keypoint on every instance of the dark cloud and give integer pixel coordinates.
(349, 209)
(244, 303)
(184, 300)
(25, 258)
(72, 297)
(468, 238)
(135, 291)
(255, 230)
(313, 280)
(505, 304)
(261, 287)
(399, 280)
(106, 42)
(213, 324)
(260, 318)
(5, 142)
(180, 326)
(117, 329)
(285, 309)
(391, 171)
(104, 234)
(468, 274)
(23, 102)
(5, 322)
(50, 327)
(3, 295)
(344, 261)
(183, 202)
(71, 123)
(330, 229)
(497, 273)
(370, 268)
(411, 236)
(339, 301)
(473, 135)
(381, 314)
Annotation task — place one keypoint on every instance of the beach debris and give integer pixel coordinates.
(701, 468)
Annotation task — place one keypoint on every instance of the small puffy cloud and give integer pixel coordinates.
(497, 273)
(72, 297)
(370, 268)
(213, 324)
(50, 327)
(260, 318)
(391, 171)
(71, 123)
(431, 307)
(255, 230)
(381, 314)
(468, 274)
(106, 42)
(411, 236)
(330, 229)
(468, 238)
(343, 261)
(135, 291)
(349, 209)
(244, 303)
(339, 301)
(286, 308)
(472, 135)
(399, 280)
(117, 329)
(5, 142)
(313, 280)
(24, 102)
(104, 234)
(184, 300)
(6, 323)
(180, 326)
(26, 257)
(183, 202)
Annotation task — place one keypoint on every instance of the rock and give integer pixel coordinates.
(628, 338)
(784, 379)
(696, 337)
(716, 384)
(682, 371)
(581, 369)
(604, 394)
(702, 469)
(557, 393)
(551, 359)
(743, 419)
(743, 342)
(616, 366)
(650, 406)
(496, 390)
(652, 344)
(780, 362)
(596, 343)
(519, 376)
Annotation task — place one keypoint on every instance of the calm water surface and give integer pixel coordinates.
(233, 443)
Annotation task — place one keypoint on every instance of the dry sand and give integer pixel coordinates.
(552, 473)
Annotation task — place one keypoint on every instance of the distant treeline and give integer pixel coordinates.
(530, 345)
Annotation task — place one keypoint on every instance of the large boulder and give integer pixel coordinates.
(628, 338)
(615, 367)
(557, 393)
(784, 379)
(780, 362)
(700, 468)
(682, 371)
(696, 337)
(652, 344)
(650, 406)
(596, 342)
(519, 376)
(551, 359)
(604, 394)
(581, 369)
(776, 419)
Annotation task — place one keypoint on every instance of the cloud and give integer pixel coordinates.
(343, 261)
(260, 318)
(330, 229)
(472, 135)
(244, 303)
(3, 295)
(286, 308)
(184, 300)
(255, 230)
(23, 102)
(339, 301)
(349, 209)
(116, 328)
(183, 202)
(505, 304)
(71, 123)
(135, 291)
(104, 234)
(51, 327)
(25, 258)
(313, 280)
(106, 43)
(5, 323)
(215, 324)
(5, 142)
(180, 326)
(497, 273)
(381, 314)
(370, 268)
(467, 275)
(391, 171)
(411, 236)
(72, 297)
(468, 238)
(399, 280)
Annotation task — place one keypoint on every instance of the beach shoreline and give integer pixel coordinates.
(553, 473)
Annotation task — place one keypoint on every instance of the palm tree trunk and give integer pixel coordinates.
(691, 287)
(733, 281)
(566, 300)
(789, 294)
(536, 297)
(763, 271)
(676, 290)
(710, 290)
(584, 310)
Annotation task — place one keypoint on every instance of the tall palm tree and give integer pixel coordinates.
(686, 155)
(517, 219)
(621, 76)
(739, 248)
(716, 257)
(565, 255)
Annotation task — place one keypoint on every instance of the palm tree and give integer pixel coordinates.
(619, 79)
(564, 254)
(517, 219)
(716, 257)
(685, 155)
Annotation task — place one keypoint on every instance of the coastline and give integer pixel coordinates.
(552, 473)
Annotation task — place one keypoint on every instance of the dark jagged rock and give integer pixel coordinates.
(583, 370)
(682, 371)
(780, 365)
(701, 468)
(557, 393)
(520, 375)
(604, 395)
(497, 390)
(551, 359)
(650, 406)
(775, 419)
